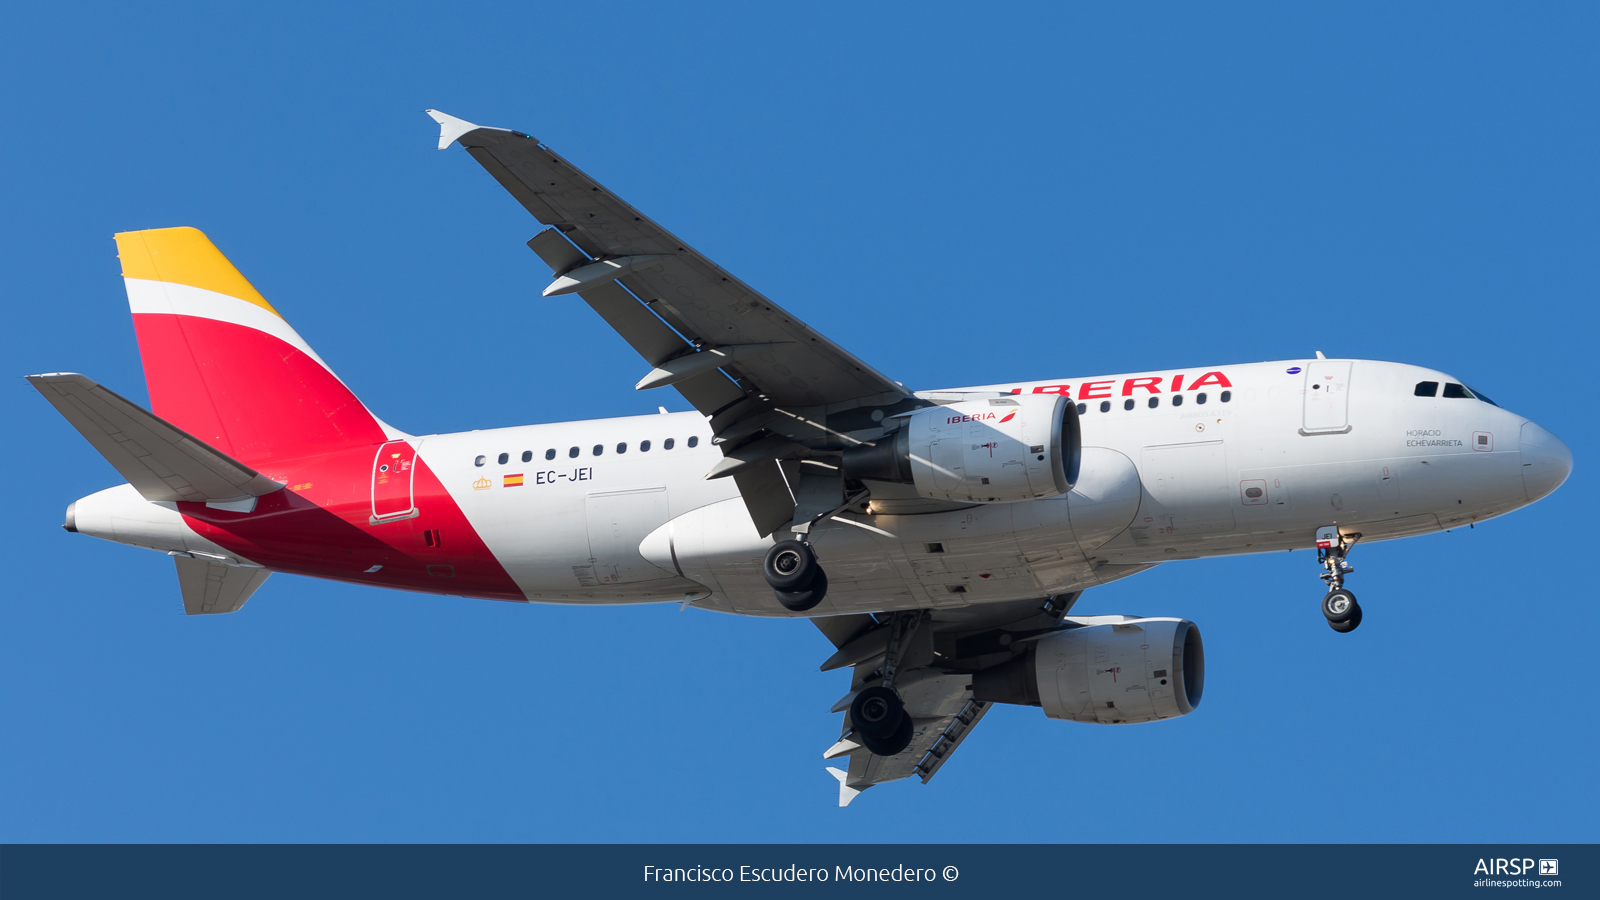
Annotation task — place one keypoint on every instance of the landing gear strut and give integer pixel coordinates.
(877, 715)
(1339, 606)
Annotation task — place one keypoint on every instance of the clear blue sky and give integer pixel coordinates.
(958, 196)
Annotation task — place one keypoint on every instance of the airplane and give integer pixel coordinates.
(938, 538)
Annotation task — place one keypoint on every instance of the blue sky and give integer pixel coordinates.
(959, 195)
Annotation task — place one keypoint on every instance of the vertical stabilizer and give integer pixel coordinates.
(223, 365)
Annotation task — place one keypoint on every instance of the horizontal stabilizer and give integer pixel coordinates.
(213, 587)
(159, 459)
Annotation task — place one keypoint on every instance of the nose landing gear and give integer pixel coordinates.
(1339, 606)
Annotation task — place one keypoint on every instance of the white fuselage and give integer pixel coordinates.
(1259, 472)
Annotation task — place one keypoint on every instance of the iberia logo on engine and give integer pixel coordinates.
(979, 417)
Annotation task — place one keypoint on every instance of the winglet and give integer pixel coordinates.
(846, 792)
(450, 127)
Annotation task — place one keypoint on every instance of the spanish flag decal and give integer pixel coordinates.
(513, 481)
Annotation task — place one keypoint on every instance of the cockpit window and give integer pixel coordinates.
(1479, 394)
(1427, 389)
(1455, 391)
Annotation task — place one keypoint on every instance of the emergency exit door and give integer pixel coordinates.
(393, 471)
(1327, 404)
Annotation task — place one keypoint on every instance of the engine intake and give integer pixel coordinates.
(1113, 673)
(1004, 450)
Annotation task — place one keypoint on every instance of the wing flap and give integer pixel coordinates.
(161, 461)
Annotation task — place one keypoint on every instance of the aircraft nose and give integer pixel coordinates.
(1546, 461)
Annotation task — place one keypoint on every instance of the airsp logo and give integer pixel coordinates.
(1516, 867)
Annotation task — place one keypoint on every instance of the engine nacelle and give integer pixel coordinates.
(1025, 447)
(1109, 673)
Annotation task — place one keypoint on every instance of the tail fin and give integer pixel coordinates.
(221, 363)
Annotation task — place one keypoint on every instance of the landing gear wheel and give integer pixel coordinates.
(1340, 606)
(800, 601)
(894, 743)
(789, 566)
(1348, 625)
(876, 714)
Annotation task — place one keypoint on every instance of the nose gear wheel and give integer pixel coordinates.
(1339, 606)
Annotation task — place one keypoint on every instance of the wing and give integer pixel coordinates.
(774, 389)
(934, 663)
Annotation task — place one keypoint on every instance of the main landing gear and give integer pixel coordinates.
(1339, 606)
(791, 568)
(878, 717)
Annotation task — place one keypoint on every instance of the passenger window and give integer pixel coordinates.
(1200, 398)
(599, 449)
(1155, 402)
(550, 454)
(478, 461)
(573, 453)
(644, 446)
(1083, 408)
(1105, 406)
(1177, 399)
(527, 456)
(694, 440)
(1455, 391)
(666, 444)
(1427, 389)
(1226, 396)
(622, 447)
(505, 458)
(1127, 404)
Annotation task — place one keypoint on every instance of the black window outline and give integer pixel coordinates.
(1426, 389)
(573, 453)
(598, 450)
(1105, 406)
(622, 446)
(668, 444)
(479, 461)
(1128, 403)
(1453, 391)
(1225, 396)
(644, 446)
(550, 454)
(694, 440)
(503, 458)
(1200, 399)
(527, 456)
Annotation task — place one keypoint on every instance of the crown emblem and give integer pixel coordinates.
(482, 484)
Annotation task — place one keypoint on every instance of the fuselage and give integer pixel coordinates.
(1177, 464)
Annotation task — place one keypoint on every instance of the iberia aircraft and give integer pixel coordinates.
(939, 538)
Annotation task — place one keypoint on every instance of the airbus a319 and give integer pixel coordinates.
(940, 539)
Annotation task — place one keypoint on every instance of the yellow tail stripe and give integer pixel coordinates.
(184, 256)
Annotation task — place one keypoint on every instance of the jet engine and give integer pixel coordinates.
(1110, 673)
(1003, 450)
